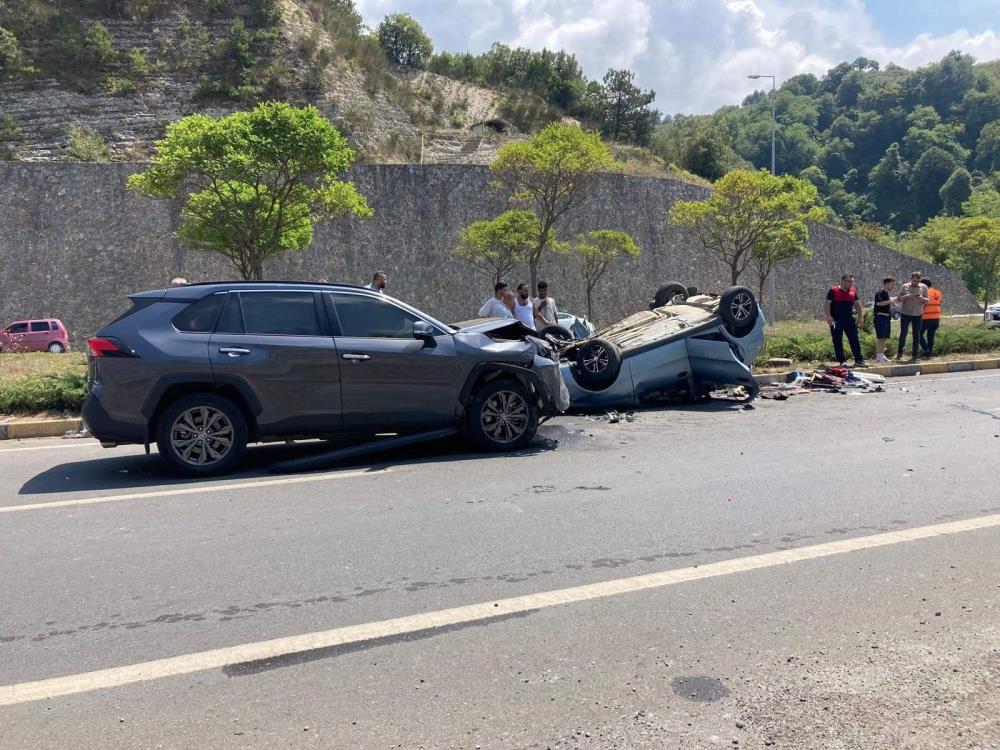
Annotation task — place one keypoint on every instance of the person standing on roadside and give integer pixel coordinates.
(931, 318)
(496, 306)
(882, 317)
(524, 306)
(379, 280)
(841, 307)
(548, 314)
(911, 300)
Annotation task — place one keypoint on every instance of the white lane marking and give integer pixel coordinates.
(200, 489)
(53, 446)
(222, 657)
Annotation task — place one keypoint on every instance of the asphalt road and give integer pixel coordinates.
(816, 573)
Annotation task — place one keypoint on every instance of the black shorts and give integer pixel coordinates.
(883, 326)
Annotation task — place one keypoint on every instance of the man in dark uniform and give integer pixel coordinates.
(841, 307)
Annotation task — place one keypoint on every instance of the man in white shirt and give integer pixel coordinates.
(495, 306)
(524, 306)
(548, 314)
(378, 282)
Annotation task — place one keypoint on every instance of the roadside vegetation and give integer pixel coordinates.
(40, 382)
(808, 342)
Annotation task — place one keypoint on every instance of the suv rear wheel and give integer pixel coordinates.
(502, 416)
(202, 434)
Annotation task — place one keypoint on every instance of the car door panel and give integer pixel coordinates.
(391, 381)
(400, 384)
(295, 377)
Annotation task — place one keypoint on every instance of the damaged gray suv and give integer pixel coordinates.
(203, 370)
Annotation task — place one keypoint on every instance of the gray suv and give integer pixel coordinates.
(204, 369)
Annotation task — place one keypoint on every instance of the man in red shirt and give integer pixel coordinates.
(841, 307)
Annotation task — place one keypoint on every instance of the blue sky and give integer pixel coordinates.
(696, 53)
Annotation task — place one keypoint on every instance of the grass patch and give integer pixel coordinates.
(38, 382)
(809, 341)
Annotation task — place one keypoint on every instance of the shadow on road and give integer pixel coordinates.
(139, 471)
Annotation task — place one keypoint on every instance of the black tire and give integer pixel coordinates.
(558, 332)
(502, 416)
(182, 424)
(56, 348)
(692, 291)
(738, 309)
(666, 293)
(598, 363)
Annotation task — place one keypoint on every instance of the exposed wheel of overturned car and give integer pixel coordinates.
(598, 363)
(738, 309)
(668, 292)
(558, 332)
(502, 416)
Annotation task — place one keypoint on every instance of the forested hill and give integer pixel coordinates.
(885, 145)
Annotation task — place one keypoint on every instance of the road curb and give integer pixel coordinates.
(37, 428)
(896, 371)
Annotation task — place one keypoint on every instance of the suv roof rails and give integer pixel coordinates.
(274, 281)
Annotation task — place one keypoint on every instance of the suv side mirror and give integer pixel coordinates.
(425, 332)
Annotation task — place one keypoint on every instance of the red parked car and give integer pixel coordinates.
(34, 336)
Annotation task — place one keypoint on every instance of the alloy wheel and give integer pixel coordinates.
(504, 416)
(595, 359)
(201, 436)
(742, 307)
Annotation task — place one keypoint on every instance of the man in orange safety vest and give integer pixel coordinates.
(932, 318)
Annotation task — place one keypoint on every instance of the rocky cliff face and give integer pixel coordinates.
(74, 244)
(382, 123)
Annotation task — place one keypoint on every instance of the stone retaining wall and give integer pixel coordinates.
(74, 243)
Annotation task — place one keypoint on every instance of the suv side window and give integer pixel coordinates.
(365, 317)
(280, 313)
(18, 328)
(39, 326)
(199, 317)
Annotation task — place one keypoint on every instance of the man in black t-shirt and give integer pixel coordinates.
(841, 306)
(882, 317)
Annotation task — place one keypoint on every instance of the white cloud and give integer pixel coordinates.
(695, 54)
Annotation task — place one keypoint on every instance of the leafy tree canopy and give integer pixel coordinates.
(255, 182)
(404, 40)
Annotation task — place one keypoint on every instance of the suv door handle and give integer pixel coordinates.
(234, 351)
(357, 357)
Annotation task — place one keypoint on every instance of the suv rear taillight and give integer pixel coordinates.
(102, 347)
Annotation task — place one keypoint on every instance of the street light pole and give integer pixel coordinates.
(774, 127)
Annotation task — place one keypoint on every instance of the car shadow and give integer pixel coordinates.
(135, 472)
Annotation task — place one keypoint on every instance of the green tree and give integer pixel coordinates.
(12, 62)
(984, 201)
(254, 181)
(889, 188)
(550, 174)
(929, 174)
(709, 155)
(404, 41)
(499, 245)
(98, 47)
(596, 251)
(988, 148)
(748, 214)
(956, 191)
(978, 247)
(625, 112)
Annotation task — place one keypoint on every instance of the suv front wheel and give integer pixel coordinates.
(502, 416)
(202, 434)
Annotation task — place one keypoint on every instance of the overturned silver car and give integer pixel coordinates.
(687, 344)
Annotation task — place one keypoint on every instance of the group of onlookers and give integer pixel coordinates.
(534, 312)
(917, 306)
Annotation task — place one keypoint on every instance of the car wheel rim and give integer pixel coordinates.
(201, 436)
(504, 416)
(741, 307)
(595, 359)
